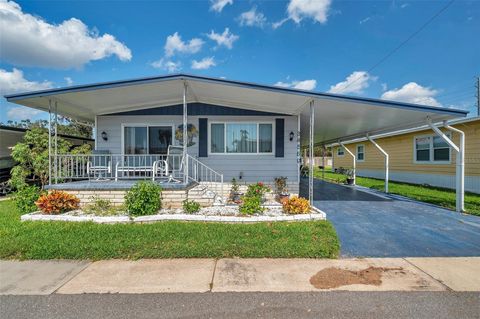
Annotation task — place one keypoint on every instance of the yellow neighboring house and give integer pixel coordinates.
(417, 156)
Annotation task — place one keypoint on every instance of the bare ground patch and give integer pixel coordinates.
(334, 277)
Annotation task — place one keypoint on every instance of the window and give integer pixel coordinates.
(340, 151)
(241, 138)
(431, 149)
(146, 139)
(360, 153)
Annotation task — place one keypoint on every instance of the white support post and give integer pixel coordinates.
(49, 142)
(323, 162)
(460, 165)
(299, 154)
(312, 130)
(55, 159)
(354, 162)
(185, 138)
(385, 154)
(96, 132)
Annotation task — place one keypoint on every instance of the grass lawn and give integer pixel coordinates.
(434, 195)
(63, 240)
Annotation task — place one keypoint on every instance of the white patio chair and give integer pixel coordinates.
(99, 163)
(172, 167)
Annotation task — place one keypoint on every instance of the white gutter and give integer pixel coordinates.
(460, 167)
(385, 154)
(354, 162)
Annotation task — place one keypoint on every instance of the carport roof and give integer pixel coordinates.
(336, 116)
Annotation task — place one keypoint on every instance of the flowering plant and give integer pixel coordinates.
(57, 202)
(257, 190)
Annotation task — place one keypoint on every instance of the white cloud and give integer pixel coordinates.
(14, 82)
(413, 93)
(298, 10)
(19, 113)
(68, 80)
(175, 44)
(365, 20)
(354, 83)
(203, 64)
(167, 65)
(301, 85)
(218, 5)
(252, 18)
(226, 38)
(29, 40)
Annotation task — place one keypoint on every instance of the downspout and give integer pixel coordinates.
(354, 162)
(460, 167)
(385, 154)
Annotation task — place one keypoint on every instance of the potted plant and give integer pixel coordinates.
(350, 176)
(281, 188)
(235, 194)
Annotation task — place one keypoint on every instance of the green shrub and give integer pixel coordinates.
(257, 190)
(143, 198)
(190, 206)
(25, 198)
(251, 205)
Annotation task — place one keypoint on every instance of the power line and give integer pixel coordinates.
(388, 55)
(457, 92)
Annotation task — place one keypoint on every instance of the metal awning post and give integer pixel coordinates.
(323, 161)
(385, 154)
(312, 128)
(49, 142)
(460, 165)
(185, 138)
(354, 162)
(55, 157)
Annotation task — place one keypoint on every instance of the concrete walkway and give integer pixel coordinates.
(374, 224)
(238, 275)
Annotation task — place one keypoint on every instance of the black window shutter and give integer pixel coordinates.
(279, 137)
(202, 137)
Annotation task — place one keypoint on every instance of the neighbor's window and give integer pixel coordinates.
(360, 153)
(340, 151)
(431, 149)
(241, 138)
(146, 139)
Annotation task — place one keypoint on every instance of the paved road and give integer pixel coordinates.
(369, 225)
(245, 305)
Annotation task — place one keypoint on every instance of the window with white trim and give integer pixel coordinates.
(340, 151)
(241, 138)
(360, 153)
(431, 149)
(146, 139)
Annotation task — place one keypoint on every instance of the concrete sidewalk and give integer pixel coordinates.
(239, 275)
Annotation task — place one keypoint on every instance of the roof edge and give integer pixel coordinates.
(184, 76)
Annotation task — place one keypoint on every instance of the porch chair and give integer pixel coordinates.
(172, 166)
(99, 163)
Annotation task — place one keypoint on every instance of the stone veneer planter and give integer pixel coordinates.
(315, 214)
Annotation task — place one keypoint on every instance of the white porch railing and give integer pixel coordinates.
(204, 175)
(162, 168)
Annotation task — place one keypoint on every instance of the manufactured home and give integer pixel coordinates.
(417, 156)
(186, 130)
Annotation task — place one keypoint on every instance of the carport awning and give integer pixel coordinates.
(336, 116)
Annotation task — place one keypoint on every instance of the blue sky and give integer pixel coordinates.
(311, 44)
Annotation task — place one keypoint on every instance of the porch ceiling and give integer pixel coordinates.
(336, 116)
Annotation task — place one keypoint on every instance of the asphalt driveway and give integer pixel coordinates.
(372, 224)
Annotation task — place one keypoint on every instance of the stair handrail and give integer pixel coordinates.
(200, 172)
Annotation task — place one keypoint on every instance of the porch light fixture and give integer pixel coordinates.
(292, 135)
(104, 136)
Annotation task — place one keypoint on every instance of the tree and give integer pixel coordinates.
(65, 125)
(32, 157)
